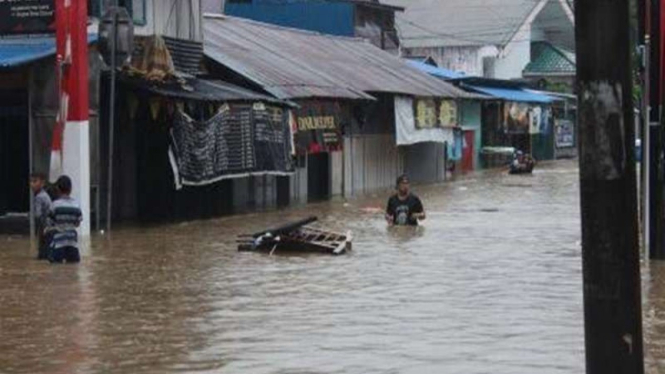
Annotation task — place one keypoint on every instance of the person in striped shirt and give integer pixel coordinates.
(64, 217)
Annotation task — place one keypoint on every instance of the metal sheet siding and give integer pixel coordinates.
(335, 18)
(371, 163)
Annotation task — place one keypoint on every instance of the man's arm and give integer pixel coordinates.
(418, 210)
(390, 214)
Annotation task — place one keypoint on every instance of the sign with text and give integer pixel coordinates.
(319, 128)
(447, 113)
(27, 17)
(564, 134)
(434, 113)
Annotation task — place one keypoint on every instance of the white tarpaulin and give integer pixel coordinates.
(405, 126)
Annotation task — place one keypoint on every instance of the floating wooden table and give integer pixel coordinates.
(297, 236)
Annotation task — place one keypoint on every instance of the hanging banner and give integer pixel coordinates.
(238, 141)
(318, 127)
(406, 131)
(535, 121)
(564, 134)
(516, 118)
(27, 17)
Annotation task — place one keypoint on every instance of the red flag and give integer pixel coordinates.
(72, 73)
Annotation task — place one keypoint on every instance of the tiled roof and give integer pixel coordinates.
(549, 60)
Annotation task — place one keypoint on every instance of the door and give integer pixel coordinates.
(318, 176)
(14, 152)
(468, 150)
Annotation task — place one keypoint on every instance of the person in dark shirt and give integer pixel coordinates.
(404, 208)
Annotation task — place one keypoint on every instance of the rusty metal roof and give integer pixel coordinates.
(291, 63)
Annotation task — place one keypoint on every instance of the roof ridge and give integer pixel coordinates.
(219, 16)
(519, 26)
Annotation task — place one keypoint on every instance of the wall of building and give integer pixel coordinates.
(470, 119)
(371, 162)
(483, 61)
(336, 18)
(514, 57)
(298, 183)
(424, 162)
(467, 59)
(175, 18)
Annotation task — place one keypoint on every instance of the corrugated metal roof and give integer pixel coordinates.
(19, 51)
(291, 63)
(427, 23)
(198, 89)
(186, 54)
(376, 4)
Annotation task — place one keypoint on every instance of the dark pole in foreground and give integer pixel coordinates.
(610, 251)
(657, 241)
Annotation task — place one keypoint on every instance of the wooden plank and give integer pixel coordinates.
(286, 228)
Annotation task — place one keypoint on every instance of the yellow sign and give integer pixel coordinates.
(448, 113)
(425, 113)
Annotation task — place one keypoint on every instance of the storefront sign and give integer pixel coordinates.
(318, 125)
(27, 16)
(448, 113)
(425, 110)
(564, 134)
(432, 113)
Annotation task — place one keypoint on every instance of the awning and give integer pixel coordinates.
(191, 88)
(20, 51)
(511, 94)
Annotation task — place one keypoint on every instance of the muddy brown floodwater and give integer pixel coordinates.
(491, 283)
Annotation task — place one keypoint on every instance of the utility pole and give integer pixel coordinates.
(656, 183)
(610, 250)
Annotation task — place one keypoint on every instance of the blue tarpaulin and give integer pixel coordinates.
(511, 94)
(434, 70)
(19, 51)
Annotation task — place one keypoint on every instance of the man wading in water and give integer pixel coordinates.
(404, 208)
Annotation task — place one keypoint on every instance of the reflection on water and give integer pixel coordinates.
(491, 282)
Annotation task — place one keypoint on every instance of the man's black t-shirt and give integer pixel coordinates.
(401, 210)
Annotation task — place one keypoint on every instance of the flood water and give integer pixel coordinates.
(491, 283)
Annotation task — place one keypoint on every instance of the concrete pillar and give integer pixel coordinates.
(76, 165)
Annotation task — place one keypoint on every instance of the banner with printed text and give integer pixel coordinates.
(27, 17)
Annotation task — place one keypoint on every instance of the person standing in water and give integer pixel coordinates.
(41, 209)
(404, 208)
(64, 218)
